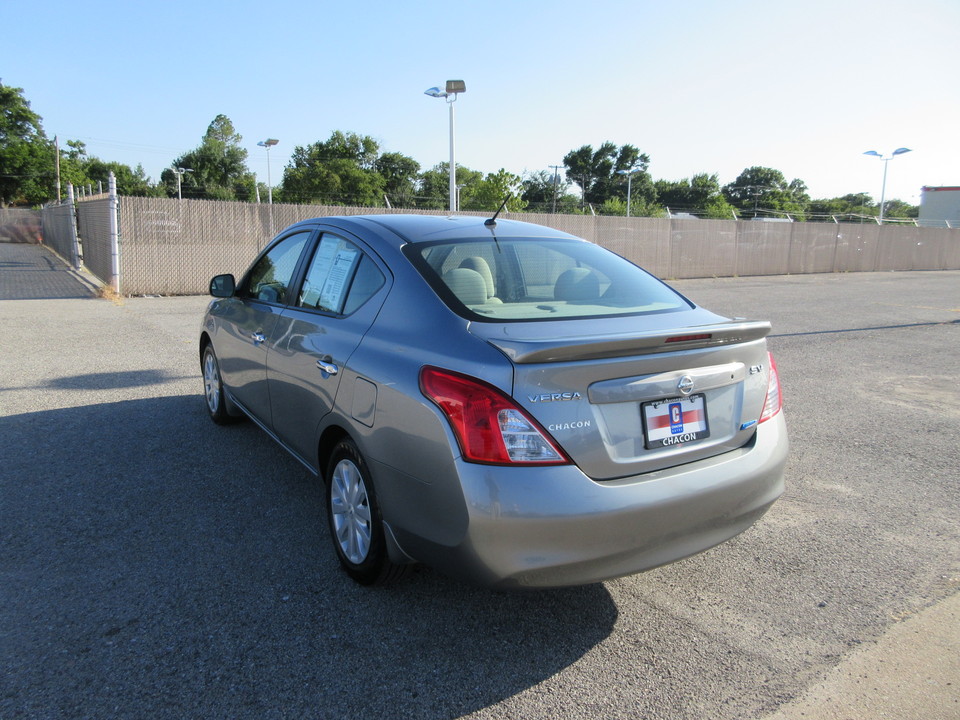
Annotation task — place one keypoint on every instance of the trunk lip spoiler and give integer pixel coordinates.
(599, 347)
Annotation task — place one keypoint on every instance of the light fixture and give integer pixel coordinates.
(268, 143)
(886, 161)
(179, 172)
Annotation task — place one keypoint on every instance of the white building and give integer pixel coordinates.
(940, 207)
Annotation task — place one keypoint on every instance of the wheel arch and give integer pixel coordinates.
(204, 341)
(328, 441)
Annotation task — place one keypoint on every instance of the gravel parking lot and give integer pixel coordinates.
(156, 565)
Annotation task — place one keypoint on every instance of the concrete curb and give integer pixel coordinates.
(912, 672)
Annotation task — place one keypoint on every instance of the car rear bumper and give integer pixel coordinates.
(550, 527)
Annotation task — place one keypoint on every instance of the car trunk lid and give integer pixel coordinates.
(623, 401)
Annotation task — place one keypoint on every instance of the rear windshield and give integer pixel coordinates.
(533, 279)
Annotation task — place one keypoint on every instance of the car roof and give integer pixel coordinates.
(412, 228)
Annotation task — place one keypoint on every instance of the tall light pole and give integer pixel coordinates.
(453, 87)
(886, 161)
(179, 171)
(629, 174)
(556, 178)
(269, 143)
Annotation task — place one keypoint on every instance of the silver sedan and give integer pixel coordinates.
(504, 402)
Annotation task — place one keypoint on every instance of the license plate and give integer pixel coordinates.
(674, 421)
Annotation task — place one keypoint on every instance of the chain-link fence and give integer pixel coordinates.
(59, 221)
(173, 247)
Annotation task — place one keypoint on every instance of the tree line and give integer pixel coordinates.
(352, 169)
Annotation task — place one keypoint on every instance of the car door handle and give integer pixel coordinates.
(258, 337)
(327, 366)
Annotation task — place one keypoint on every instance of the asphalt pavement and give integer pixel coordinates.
(156, 565)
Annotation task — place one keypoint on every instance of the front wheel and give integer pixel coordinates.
(356, 526)
(213, 388)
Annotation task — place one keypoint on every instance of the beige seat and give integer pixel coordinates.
(577, 284)
(468, 285)
(477, 263)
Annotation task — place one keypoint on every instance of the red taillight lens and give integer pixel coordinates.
(774, 400)
(489, 426)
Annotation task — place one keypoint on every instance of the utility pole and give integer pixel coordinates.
(56, 145)
(556, 173)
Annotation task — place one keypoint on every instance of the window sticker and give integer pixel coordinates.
(341, 269)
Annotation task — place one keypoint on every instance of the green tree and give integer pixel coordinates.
(434, 190)
(700, 195)
(597, 172)
(718, 208)
(27, 158)
(614, 206)
(73, 162)
(852, 207)
(341, 170)
(81, 170)
(130, 181)
(539, 189)
(638, 208)
(400, 175)
(761, 190)
(218, 166)
(489, 193)
(899, 209)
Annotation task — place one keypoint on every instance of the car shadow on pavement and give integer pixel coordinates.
(113, 380)
(157, 565)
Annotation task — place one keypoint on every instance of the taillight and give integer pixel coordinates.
(489, 426)
(774, 400)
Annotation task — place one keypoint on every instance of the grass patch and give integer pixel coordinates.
(108, 293)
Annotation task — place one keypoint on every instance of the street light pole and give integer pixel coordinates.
(886, 162)
(269, 143)
(556, 177)
(179, 171)
(629, 174)
(453, 87)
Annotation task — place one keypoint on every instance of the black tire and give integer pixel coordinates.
(356, 525)
(213, 388)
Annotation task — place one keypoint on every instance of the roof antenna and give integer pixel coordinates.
(493, 221)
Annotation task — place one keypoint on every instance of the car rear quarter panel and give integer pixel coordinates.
(406, 439)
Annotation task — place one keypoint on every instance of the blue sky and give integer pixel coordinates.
(804, 87)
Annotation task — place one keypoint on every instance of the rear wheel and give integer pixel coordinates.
(356, 526)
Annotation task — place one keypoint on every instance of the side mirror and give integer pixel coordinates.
(223, 286)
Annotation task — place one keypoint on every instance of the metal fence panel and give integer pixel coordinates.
(93, 227)
(763, 248)
(911, 248)
(173, 247)
(949, 248)
(646, 242)
(857, 247)
(702, 248)
(60, 232)
(813, 247)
